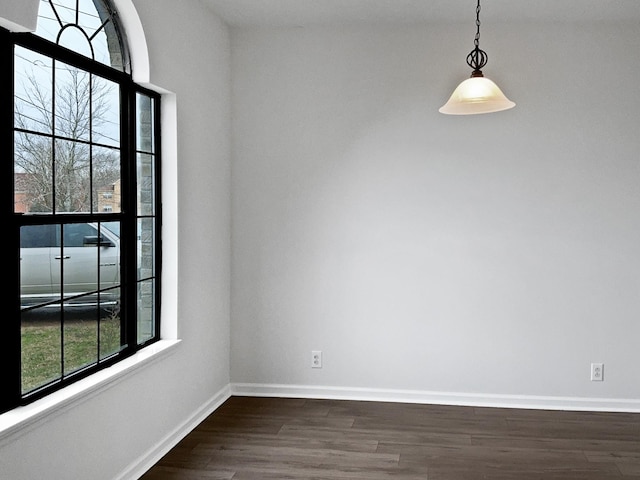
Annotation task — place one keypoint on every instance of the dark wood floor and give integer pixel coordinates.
(270, 438)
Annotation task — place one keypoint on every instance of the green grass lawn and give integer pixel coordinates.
(44, 343)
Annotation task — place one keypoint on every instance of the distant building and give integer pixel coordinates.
(109, 198)
(21, 198)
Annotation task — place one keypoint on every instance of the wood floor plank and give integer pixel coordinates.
(209, 441)
(270, 438)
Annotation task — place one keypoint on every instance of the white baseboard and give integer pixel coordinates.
(144, 463)
(440, 398)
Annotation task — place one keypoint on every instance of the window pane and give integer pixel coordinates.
(73, 39)
(72, 174)
(36, 245)
(76, 261)
(146, 230)
(106, 112)
(72, 102)
(37, 236)
(88, 18)
(103, 50)
(110, 325)
(109, 258)
(144, 121)
(65, 9)
(33, 178)
(41, 355)
(145, 184)
(33, 91)
(106, 180)
(146, 326)
(90, 260)
(113, 227)
(80, 336)
(79, 235)
(48, 26)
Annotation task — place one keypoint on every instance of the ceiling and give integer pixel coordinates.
(324, 12)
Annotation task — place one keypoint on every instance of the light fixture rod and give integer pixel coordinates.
(476, 41)
(478, 58)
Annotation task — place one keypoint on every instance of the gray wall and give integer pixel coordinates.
(462, 257)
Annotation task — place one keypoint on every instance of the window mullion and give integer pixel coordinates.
(129, 228)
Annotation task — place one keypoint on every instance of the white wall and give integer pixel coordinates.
(106, 436)
(480, 256)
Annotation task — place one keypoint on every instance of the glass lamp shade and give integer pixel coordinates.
(476, 95)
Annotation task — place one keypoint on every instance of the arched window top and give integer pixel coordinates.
(88, 27)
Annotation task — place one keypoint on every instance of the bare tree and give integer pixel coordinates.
(58, 164)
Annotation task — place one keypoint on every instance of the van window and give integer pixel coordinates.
(37, 236)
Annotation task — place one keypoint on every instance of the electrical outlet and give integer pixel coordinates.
(316, 359)
(597, 372)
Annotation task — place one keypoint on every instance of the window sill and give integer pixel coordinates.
(23, 419)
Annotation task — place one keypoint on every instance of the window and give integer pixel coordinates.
(80, 200)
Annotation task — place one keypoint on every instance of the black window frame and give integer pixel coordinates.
(10, 327)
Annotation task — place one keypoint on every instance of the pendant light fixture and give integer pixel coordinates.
(477, 94)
